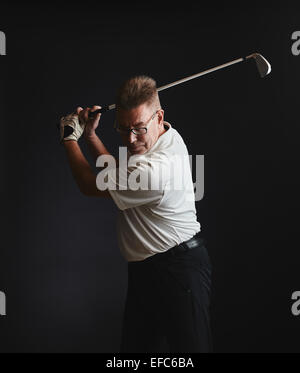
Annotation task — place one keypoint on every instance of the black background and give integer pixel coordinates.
(60, 265)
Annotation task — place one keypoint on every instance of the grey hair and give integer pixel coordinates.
(137, 90)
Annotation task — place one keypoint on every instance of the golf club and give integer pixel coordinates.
(263, 67)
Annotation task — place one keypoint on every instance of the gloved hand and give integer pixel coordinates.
(71, 128)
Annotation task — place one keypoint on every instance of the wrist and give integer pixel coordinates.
(69, 142)
(89, 134)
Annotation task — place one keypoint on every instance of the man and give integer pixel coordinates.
(168, 266)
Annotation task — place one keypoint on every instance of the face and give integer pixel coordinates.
(138, 118)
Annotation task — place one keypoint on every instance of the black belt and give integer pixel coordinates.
(195, 241)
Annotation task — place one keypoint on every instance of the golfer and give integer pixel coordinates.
(169, 270)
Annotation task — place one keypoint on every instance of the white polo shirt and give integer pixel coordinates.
(152, 221)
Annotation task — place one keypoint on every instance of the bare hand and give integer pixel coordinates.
(90, 123)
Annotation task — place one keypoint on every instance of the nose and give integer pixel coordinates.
(132, 137)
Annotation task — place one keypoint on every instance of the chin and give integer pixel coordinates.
(138, 150)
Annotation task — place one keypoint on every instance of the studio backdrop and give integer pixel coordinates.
(63, 279)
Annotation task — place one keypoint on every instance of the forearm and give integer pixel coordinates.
(95, 145)
(80, 168)
(82, 171)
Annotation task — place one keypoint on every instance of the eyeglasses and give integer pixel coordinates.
(136, 131)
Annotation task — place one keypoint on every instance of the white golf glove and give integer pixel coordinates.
(70, 128)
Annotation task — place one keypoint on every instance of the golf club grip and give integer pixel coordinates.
(102, 110)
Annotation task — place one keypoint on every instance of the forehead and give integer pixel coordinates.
(133, 117)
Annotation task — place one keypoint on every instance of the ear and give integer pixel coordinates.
(160, 116)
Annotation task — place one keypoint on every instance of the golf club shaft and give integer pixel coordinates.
(110, 107)
(200, 74)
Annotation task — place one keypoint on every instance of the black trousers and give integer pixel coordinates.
(167, 304)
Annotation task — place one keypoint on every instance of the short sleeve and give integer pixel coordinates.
(135, 186)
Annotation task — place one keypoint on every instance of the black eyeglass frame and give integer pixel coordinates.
(127, 131)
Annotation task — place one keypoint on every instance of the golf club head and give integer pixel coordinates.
(263, 66)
